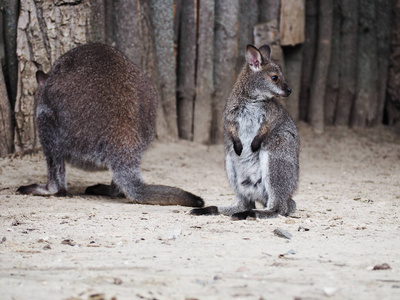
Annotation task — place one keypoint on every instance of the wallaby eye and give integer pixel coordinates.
(274, 78)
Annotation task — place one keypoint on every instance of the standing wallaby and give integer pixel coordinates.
(261, 142)
(97, 110)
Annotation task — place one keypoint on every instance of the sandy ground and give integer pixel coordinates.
(82, 247)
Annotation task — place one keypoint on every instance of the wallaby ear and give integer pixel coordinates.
(265, 51)
(41, 77)
(253, 58)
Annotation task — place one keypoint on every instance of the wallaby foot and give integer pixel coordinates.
(205, 211)
(243, 215)
(104, 190)
(40, 190)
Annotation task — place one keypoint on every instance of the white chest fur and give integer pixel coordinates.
(247, 169)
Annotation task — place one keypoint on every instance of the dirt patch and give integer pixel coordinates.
(342, 243)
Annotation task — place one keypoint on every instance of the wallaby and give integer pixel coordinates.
(261, 142)
(97, 110)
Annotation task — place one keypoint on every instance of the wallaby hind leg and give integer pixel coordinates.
(280, 177)
(111, 190)
(56, 183)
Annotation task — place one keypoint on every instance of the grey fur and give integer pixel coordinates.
(261, 142)
(97, 110)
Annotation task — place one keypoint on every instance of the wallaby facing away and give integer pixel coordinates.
(261, 142)
(97, 110)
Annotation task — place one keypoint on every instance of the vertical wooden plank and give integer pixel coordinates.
(186, 68)
(293, 64)
(163, 24)
(225, 49)
(10, 10)
(248, 18)
(317, 92)
(6, 128)
(332, 83)
(204, 72)
(309, 50)
(348, 62)
(292, 22)
(392, 108)
(366, 103)
(384, 21)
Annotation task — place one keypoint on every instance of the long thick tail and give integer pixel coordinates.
(128, 180)
(165, 195)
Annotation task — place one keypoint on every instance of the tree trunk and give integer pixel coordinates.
(204, 72)
(225, 49)
(348, 62)
(163, 23)
(46, 30)
(317, 92)
(10, 21)
(366, 104)
(392, 109)
(332, 84)
(6, 128)
(292, 26)
(187, 68)
(309, 50)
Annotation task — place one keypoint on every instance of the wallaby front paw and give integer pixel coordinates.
(205, 211)
(256, 144)
(237, 146)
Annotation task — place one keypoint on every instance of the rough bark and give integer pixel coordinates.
(225, 49)
(10, 23)
(332, 84)
(348, 62)
(309, 50)
(204, 72)
(392, 109)
(46, 30)
(292, 22)
(6, 128)
(187, 68)
(366, 104)
(163, 23)
(317, 92)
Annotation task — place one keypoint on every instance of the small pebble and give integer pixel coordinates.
(282, 233)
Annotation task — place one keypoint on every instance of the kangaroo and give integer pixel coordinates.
(97, 110)
(261, 142)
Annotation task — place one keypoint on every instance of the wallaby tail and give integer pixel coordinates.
(165, 195)
(128, 179)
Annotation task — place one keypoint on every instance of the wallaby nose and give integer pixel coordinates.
(288, 91)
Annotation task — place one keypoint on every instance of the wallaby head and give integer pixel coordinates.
(264, 75)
